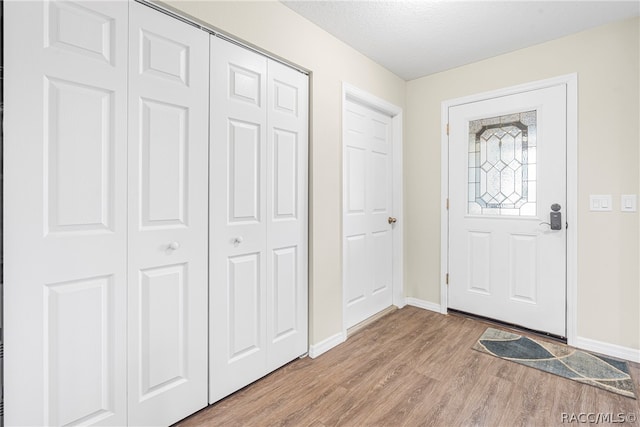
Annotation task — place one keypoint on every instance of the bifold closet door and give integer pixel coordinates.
(286, 216)
(65, 213)
(258, 217)
(168, 193)
(237, 347)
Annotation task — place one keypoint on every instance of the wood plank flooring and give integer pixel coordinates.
(415, 368)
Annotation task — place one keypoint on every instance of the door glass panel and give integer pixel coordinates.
(502, 165)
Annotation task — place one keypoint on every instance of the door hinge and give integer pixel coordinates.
(447, 279)
(447, 203)
(447, 129)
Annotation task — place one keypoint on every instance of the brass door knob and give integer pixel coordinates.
(392, 220)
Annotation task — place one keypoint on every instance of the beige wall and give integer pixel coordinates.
(607, 62)
(274, 28)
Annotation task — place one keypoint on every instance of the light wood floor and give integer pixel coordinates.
(413, 368)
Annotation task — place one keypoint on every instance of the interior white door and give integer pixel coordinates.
(258, 216)
(286, 214)
(65, 224)
(507, 167)
(238, 257)
(168, 219)
(368, 212)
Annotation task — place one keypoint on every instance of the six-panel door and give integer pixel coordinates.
(106, 215)
(258, 203)
(168, 194)
(367, 207)
(65, 213)
(238, 300)
(286, 210)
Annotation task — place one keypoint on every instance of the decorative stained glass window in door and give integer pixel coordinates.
(502, 165)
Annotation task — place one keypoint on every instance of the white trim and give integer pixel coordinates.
(358, 95)
(571, 82)
(398, 203)
(400, 302)
(426, 305)
(444, 212)
(325, 345)
(608, 349)
(572, 203)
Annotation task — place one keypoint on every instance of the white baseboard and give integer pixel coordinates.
(400, 303)
(607, 349)
(323, 346)
(427, 305)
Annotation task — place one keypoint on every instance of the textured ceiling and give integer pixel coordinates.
(418, 38)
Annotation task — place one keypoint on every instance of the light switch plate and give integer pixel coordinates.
(628, 203)
(600, 202)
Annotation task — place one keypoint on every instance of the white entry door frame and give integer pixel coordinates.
(571, 83)
(359, 96)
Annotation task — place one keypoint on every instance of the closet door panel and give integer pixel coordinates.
(163, 165)
(65, 213)
(244, 291)
(168, 191)
(243, 177)
(237, 217)
(287, 199)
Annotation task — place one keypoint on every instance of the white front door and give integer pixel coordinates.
(507, 174)
(367, 212)
(168, 220)
(65, 213)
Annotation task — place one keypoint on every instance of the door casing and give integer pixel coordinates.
(571, 82)
(362, 97)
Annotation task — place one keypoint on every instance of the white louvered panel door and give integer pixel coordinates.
(237, 209)
(287, 153)
(65, 213)
(168, 193)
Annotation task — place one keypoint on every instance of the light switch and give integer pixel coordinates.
(628, 203)
(601, 203)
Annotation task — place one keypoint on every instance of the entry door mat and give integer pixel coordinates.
(598, 371)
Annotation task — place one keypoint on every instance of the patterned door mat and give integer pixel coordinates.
(599, 371)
